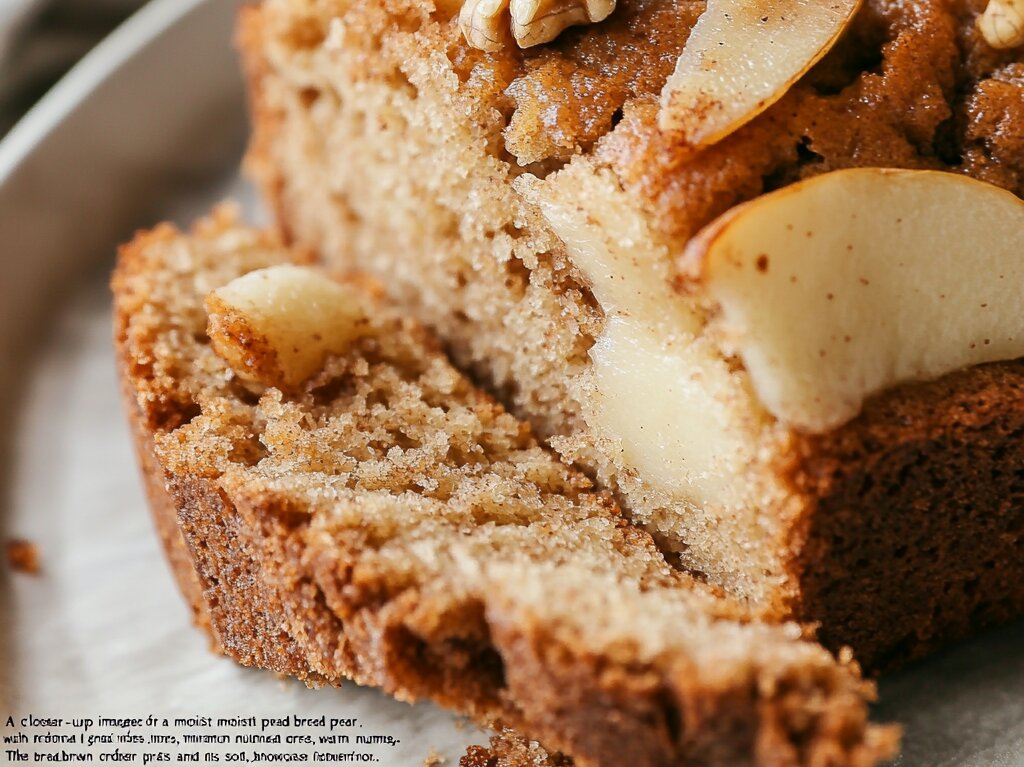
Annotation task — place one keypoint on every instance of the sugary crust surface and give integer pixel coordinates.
(391, 524)
(386, 145)
(165, 519)
(910, 85)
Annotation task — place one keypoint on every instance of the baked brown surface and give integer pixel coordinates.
(387, 145)
(916, 526)
(911, 85)
(390, 524)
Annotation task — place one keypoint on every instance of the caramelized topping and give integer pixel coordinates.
(911, 84)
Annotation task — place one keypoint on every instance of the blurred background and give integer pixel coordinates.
(41, 39)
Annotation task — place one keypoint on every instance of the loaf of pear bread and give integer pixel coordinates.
(815, 399)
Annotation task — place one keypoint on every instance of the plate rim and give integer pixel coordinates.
(89, 73)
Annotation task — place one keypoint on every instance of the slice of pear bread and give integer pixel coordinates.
(382, 520)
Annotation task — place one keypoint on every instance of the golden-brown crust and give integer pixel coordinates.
(226, 601)
(670, 711)
(165, 519)
(249, 619)
(911, 84)
(913, 526)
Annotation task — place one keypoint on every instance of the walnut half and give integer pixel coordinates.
(1002, 24)
(487, 26)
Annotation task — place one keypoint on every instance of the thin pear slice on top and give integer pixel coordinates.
(851, 282)
(741, 57)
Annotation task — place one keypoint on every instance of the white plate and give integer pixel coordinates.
(151, 126)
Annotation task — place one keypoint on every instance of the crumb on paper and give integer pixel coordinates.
(23, 556)
(433, 759)
(478, 756)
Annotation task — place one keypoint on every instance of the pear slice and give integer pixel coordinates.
(741, 57)
(854, 281)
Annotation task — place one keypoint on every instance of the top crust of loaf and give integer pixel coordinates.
(885, 96)
(392, 524)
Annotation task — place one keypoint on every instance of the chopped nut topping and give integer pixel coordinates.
(1002, 23)
(486, 24)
